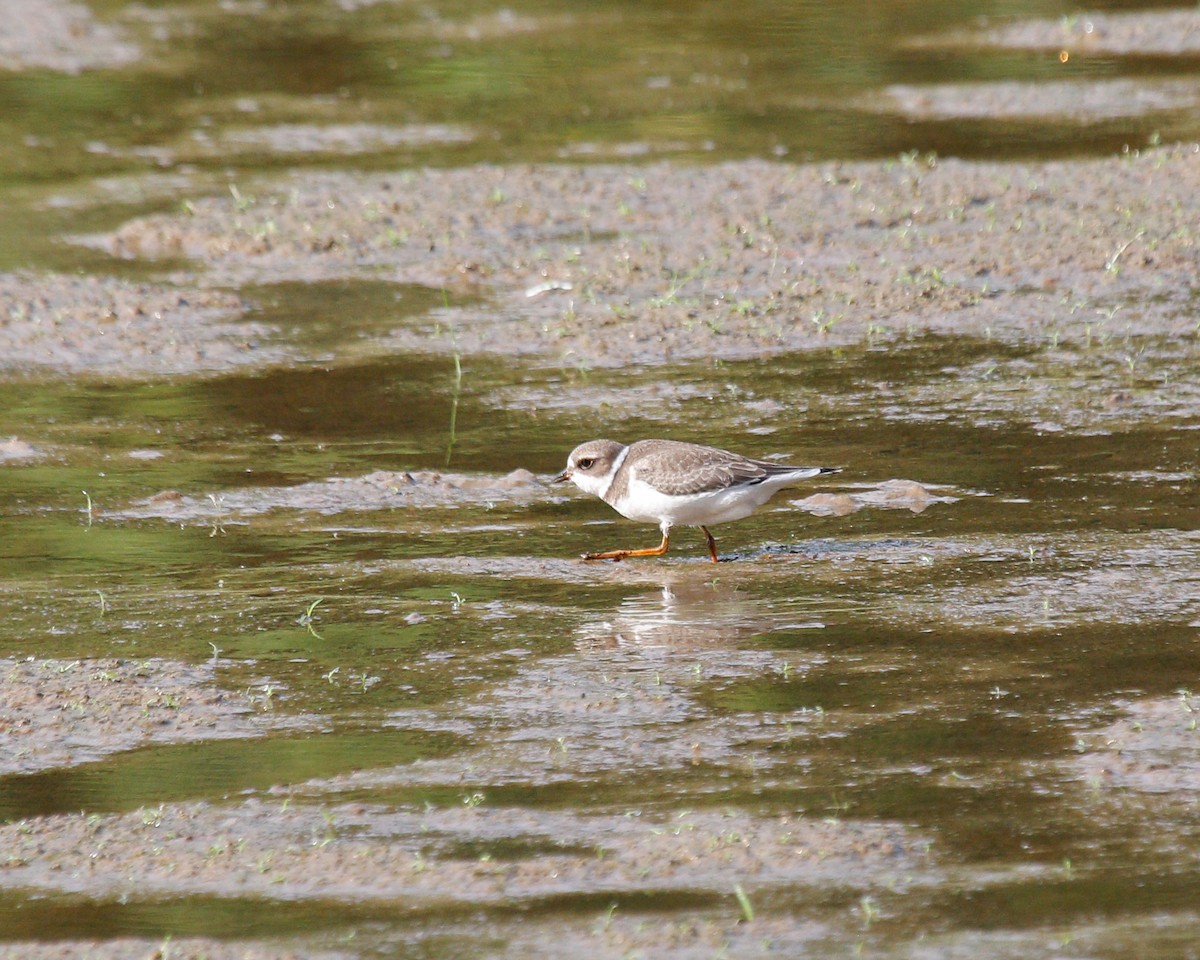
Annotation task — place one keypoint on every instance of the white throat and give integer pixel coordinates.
(599, 486)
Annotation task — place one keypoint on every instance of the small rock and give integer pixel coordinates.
(900, 495)
(829, 504)
(14, 449)
(519, 477)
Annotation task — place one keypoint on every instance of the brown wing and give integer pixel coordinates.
(678, 470)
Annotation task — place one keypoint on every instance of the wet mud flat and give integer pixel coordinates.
(107, 326)
(657, 263)
(967, 733)
(62, 36)
(608, 265)
(58, 713)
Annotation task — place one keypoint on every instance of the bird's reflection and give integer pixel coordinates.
(684, 615)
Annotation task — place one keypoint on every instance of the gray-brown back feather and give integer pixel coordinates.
(674, 468)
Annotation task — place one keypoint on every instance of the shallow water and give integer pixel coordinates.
(953, 731)
(932, 670)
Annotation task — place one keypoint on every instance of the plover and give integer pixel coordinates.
(676, 484)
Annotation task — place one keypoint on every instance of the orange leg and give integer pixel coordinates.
(622, 554)
(712, 544)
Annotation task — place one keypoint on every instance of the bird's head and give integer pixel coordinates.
(591, 466)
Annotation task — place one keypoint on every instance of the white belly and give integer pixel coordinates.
(646, 505)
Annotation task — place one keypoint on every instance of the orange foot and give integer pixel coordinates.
(625, 554)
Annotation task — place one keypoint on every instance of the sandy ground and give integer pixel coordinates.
(1152, 748)
(57, 713)
(99, 325)
(60, 35)
(1077, 102)
(168, 948)
(388, 490)
(656, 263)
(291, 850)
(1148, 33)
(381, 490)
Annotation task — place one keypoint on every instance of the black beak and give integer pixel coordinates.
(565, 475)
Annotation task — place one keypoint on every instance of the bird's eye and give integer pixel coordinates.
(586, 463)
